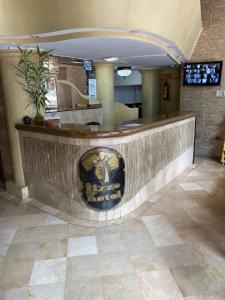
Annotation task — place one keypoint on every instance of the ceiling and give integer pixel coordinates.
(137, 54)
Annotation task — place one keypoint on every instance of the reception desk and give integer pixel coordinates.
(105, 172)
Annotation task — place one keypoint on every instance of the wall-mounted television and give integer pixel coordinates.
(203, 73)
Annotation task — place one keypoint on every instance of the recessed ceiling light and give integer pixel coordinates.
(111, 58)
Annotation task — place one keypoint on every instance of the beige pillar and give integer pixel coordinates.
(151, 92)
(105, 89)
(16, 100)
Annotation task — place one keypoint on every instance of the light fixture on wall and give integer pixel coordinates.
(124, 71)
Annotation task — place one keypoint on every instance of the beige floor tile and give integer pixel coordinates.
(217, 296)
(115, 264)
(203, 216)
(52, 220)
(10, 222)
(194, 173)
(46, 292)
(14, 294)
(4, 246)
(218, 275)
(158, 285)
(110, 243)
(191, 186)
(87, 266)
(76, 231)
(114, 228)
(11, 210)
(153, 210)
(209, 186)
(33, 220)
(137, 241)
(212, 254)
(192, 203)
(166, 202)
(15, 275)
(84, 245)
(21, 253)
(84, 288)
(122, 287)
(48, 271)
(27, 235)
(162, 233)
(210, 201)
(58, 231)
(142, 208)
(98, 265)
(194, 280)
(181, 255)
(193, 234)
(154, 198)
(30, 210)
(7, 234)
(179, 220)
(147, 259)
(52, 249)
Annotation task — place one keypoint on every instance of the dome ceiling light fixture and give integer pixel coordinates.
(111, 58)
(124, 71)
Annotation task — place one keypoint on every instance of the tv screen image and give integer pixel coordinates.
(203, 73)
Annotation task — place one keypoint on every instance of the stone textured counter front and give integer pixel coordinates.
(153, 153)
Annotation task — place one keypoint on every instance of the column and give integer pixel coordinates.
(105, 89)
(16, 100)
(151, 92)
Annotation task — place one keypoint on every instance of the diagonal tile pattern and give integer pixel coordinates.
(171, 248)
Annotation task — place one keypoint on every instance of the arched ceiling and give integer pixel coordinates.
(140, 32)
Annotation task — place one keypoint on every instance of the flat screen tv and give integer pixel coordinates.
(203, 73)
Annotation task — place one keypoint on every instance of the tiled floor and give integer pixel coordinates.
(171, 248)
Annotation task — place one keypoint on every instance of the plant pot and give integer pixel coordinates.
(52, 122)
(38, 119)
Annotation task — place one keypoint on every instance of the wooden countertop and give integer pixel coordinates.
(107, 130)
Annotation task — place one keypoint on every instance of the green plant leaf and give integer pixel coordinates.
(31, 69)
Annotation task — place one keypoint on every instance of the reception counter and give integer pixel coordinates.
(104, 172)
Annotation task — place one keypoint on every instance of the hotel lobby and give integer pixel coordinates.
(112, 150)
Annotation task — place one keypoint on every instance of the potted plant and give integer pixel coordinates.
(34, 71)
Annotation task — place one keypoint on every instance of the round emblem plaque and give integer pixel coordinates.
(102, 178)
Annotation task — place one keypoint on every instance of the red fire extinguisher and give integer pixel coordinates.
(166, 90)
